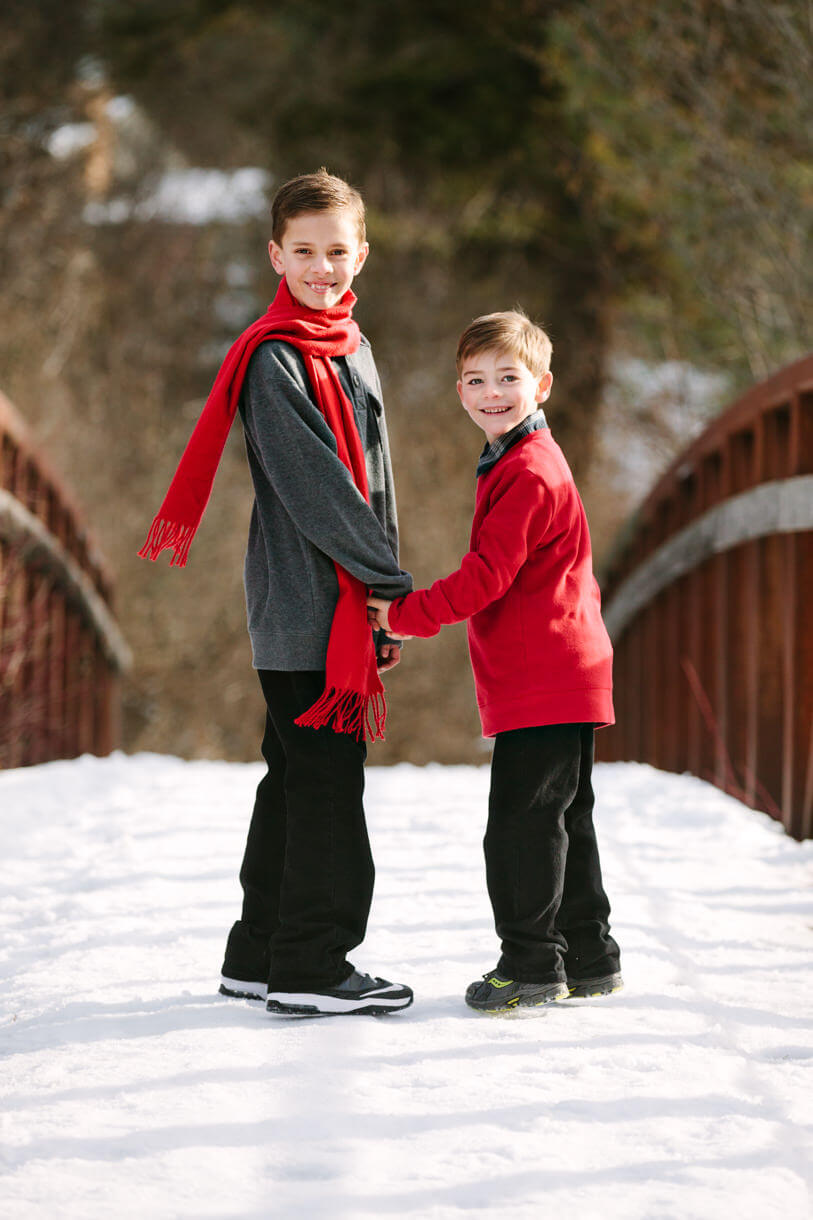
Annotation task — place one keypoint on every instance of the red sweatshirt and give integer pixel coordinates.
(538, 646)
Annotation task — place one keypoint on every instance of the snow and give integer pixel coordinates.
(70, 139)
(651, 412)
(191, 196)
(178, 194)
(131, 1089)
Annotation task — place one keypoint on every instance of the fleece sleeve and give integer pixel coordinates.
(515, 522)
(297, 452)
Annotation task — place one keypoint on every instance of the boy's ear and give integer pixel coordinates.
(460, 391)
(543, 389)
(361, 257)
(277, 260)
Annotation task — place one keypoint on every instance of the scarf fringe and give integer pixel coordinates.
(362, 716)
(165, 534)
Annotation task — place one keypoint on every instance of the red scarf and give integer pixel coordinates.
(353, 699)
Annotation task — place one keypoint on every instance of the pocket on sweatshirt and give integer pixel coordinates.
(290, 609)
(279, 603)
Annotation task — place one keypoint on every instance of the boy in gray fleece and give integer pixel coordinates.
(307, 873)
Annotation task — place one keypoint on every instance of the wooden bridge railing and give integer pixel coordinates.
(709, 601)
(61, 652)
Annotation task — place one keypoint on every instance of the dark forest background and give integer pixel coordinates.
(636, 176)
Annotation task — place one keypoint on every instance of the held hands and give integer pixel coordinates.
(389, 652)
(378, 617)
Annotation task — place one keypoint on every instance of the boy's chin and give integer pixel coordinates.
(494, 434)
(309, 304)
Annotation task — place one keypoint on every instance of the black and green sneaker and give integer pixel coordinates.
(603, 984)
(495, 993)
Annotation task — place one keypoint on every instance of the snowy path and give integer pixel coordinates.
(128, 1088)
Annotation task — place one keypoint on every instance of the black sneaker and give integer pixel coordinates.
(358, 993)
(603, 984)
(241, 989)
(495, 993)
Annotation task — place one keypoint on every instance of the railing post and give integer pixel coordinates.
(695, 761)
(770, 677)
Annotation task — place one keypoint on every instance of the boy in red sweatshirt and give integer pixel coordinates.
(542, 663)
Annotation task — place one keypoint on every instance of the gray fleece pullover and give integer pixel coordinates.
(307, 511)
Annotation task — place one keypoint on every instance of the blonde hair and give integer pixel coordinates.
(511, 331)
(319, 192)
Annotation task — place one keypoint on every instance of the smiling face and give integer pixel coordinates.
(320, 254)
(499, 392)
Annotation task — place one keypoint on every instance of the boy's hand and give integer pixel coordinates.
(378, 616)
(378, 613)
(387, 657)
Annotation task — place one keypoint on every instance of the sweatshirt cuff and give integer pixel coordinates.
(411, 615)
(407, 614)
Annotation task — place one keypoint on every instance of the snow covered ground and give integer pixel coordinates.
(130, 1089)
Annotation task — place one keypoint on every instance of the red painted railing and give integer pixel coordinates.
(709, 600)
(61, 653)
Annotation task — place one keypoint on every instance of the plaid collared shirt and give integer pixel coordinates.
(493, 452)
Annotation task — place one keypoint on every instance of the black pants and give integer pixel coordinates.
(307, 873)
(542, 863)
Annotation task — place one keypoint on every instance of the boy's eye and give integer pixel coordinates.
(475, 381)
(510, 377)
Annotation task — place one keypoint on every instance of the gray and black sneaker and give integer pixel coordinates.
(495, 993)
(359, 993)
(603, 984)
(242, 989)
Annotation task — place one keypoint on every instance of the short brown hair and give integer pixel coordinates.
(319, 192)
(511, 331)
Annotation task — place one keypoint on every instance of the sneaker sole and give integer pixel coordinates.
(288, 1004)
(591, 989)
(519, 1002)
(239, 989)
